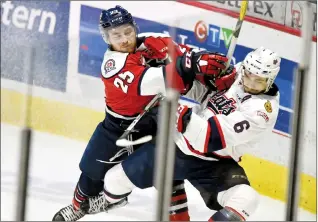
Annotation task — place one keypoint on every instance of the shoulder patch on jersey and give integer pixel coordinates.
(113, 63)
(268, 106)
(109, 65)
(264, 115)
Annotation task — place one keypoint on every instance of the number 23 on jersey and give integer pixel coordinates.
(123, 79)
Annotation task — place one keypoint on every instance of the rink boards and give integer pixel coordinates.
(68, 99)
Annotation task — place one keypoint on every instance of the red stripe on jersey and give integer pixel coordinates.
(220, 131)
(207, 138)
(203, 154)
(191, 149)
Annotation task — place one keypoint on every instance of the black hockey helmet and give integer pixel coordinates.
(114, 17)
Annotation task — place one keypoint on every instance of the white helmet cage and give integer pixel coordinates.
(264, 63)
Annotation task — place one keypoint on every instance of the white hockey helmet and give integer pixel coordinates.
(264, 63)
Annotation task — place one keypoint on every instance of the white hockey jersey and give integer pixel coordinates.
(229, 123)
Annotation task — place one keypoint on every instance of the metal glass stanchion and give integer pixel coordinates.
(301, 82)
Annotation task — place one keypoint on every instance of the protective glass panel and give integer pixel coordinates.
(53, 52)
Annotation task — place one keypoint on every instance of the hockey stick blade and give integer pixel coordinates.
(124, 142)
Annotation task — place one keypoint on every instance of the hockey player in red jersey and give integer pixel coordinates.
(132, 78)
(210, 139)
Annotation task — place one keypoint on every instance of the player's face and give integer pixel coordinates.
(123, 38)
(253, 84)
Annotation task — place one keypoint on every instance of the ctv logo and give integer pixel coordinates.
(211, 34)
(23, 18)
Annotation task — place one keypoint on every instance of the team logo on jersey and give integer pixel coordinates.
(268, 106)
(109, 65)
(220, 104)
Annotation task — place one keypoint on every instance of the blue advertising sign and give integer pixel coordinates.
(93, 47)
(42, 25)
(214, 37)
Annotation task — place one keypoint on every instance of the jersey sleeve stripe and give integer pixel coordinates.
(140, 80)
(210, 154)
(191, 148)
(220, 131)
(207, 138)
(215, 139)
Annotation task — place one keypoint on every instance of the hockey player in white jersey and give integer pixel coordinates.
(211, 138)
(236, 118)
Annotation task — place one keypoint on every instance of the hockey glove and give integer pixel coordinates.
(183, 118)
(200, 63)
(226, 80)
(157, 48)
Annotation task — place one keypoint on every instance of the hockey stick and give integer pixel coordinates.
(236, 33)
(123, 139)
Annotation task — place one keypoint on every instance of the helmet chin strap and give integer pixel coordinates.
(269, 85)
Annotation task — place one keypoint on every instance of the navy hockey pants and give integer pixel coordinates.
(102, 146)
(208, 177)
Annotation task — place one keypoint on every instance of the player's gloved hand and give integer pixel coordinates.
(157, 47)
(226, 80)
(204, 62)
(183, 117)
(200, 63)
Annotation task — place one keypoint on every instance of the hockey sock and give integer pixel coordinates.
(179, 203)
(86, 187)
(227, 214)
(79, 197)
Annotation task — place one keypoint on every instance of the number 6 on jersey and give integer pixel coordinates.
(240, 126)
(122, 79)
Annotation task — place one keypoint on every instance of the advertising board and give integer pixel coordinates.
(42, 25)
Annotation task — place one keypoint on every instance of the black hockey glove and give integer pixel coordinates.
(203, 63)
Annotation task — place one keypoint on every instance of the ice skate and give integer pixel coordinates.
(99, 204)
(68, 214)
